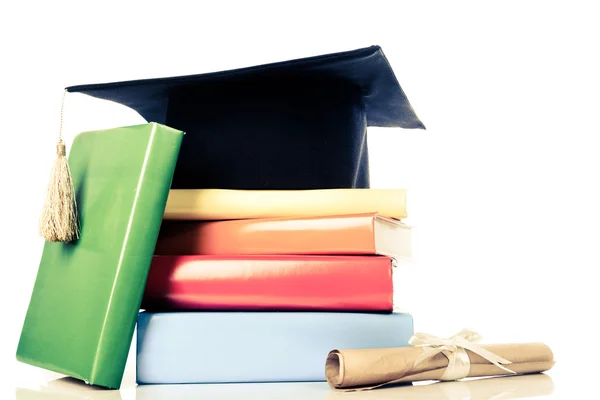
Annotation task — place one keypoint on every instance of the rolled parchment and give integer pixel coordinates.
(364, 369)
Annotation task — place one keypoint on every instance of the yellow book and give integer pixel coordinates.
(222, 204)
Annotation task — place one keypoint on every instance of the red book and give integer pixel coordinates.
(366, 234)
(326, 283)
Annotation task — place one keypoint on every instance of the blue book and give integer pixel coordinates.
(220, 347)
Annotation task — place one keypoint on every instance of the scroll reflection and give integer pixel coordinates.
(509, 387)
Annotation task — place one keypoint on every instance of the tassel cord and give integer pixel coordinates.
(59, 221)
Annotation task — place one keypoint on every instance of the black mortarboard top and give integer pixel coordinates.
(298, 124)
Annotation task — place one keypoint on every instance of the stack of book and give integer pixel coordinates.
(249, 286)
(245, 205)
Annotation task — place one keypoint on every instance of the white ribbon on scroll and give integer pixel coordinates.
(454, 348)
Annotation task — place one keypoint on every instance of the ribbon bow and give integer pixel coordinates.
(454, 348)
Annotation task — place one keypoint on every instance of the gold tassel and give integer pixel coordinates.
(59, 221)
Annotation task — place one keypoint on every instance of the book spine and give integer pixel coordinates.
(349, 235)
(140, 237)
(220, 204)
(334, 283)
(219, 347)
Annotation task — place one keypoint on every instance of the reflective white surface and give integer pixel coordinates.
(559, 383)
(517, 387)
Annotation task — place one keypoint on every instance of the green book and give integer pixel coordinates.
(87, 293)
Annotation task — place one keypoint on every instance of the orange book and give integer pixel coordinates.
(348, 234)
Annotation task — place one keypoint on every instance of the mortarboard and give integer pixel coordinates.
(298, 124)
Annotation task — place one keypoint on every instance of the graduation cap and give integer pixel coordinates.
(297, 124)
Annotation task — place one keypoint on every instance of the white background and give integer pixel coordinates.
(503, 185)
